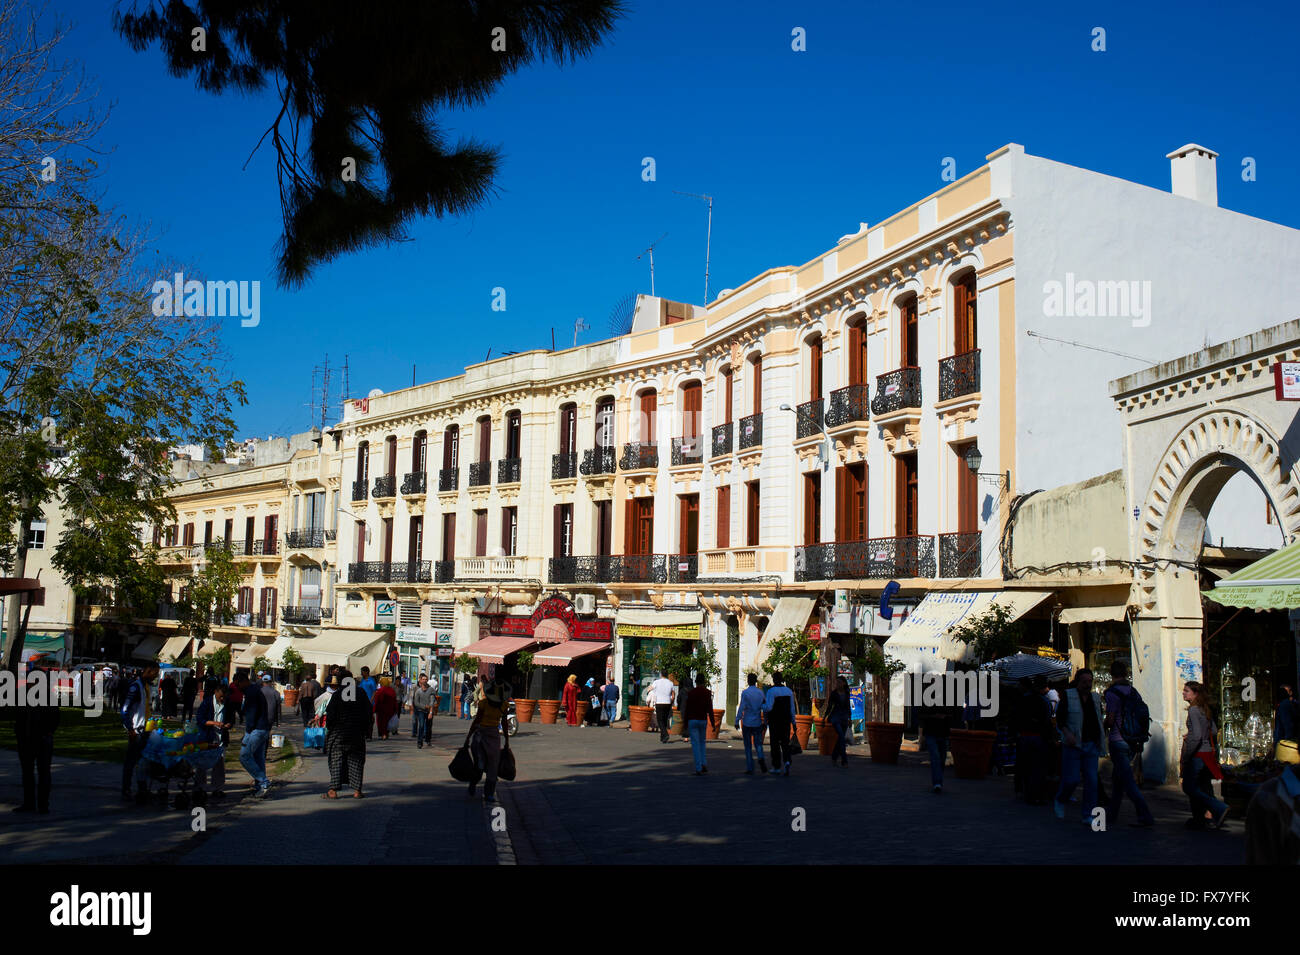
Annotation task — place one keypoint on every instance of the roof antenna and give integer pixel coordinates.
(579, 326)
(708, 239)
(651, 252)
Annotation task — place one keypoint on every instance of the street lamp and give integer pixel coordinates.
(823, 451)
(973, 461)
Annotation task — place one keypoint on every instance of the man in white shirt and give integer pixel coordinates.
(662, 694)
(779, 706)
(749, 720)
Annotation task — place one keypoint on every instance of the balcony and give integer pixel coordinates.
(639, 457)
(243, 618)
(444, 571)
(808, 418)
(722, 439)
(611, 569)
(305, 538)
(448, 479)
(385, 486)
(896, 390)
(564, 466)
(509, 470)
(489, 568)
(359, 489)
(480, 473)
(257, 548)
(683, 568)
(688, 451)
(751, 431)
(598, 461)
(309, 616)
(959, 554)
(880, 558)
(415, 483)
(742, 561)
(849, 406)
(959, 375)
(384, 572)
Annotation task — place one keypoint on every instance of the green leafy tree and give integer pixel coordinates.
(465, 664)
(991, 635)
(794, 654)
(217, 663)
(292, 662)
(209, 594)
(526, 665)
(364, 88)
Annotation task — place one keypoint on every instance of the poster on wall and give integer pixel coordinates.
(1188, 663)
(1286, 380)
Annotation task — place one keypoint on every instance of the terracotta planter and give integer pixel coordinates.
(291, 699)
(803, 729)
(709, 731)
(524, 710)
(971, 751)
(826, 737)
(583, 706)
(639, 718)
(549, 709)
(884, 740)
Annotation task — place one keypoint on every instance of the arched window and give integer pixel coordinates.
(363, 462)
(451, 448)
(963, 313)
(605, 422)
(692, 410)
(390, 455)
(814, 358)
(514, 434)
(419, 452)
(647, 416)
(856, 341)
(724, 384)
(909, 352)
(569, 428)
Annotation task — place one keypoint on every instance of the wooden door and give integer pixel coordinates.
(449, 537)
(812, 509)
(906, 497)
(649, 406)
(724, 517)
(640, 526)
(967, 493)
(756, 370)
(480, 533)
(815, 369)
(858, 354)
(752, 525)
(851, 503)
(963, 302)
(692, 407)
(726, 396)
(907, 316)
(689, 532)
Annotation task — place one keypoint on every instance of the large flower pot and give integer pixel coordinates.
(884, 740)
(709, 731)
(583, 706)
(971, 751)
(638, 718)
(803, 729)
(291, 699)
(549, 709)
(524, 710)
(826, 737)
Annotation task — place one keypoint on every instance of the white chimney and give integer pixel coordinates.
(1193, 172)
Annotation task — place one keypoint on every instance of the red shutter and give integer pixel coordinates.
(757, 366)
(726, 385)
(815, 370)
(691, 408)
(724, 517)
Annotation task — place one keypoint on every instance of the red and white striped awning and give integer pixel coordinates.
(565, 653)
(552, 630)
(495, 649)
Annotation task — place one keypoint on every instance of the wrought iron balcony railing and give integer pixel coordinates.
(417, 482)
(564, 465)
(900, 388)
(385, 572)
(304, 615)
(808, 418)
(959, 375)
(683, 568)
(509, 470)
(444, 571)
(359, 490)
(385, 486)
(751, 431)
(959, 554)
(599, 460)
(480, 473)
(722, 435)
(448, 479)
(639, 457)
(305, 537)
(880, 558)
(688, 450)
(611, 569)
(849, 405)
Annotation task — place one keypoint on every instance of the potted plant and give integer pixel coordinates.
(525, 708)
(989, 636)
(883, 738)
(795, 656)
(292, 663)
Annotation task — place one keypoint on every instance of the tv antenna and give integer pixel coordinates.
(651, 252)
(709, 238)
(579, 326)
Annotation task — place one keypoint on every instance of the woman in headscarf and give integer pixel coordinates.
(347, 719)
(570, 700)
(386, 705)
(485, 734)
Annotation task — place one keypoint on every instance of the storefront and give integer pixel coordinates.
(553, 623)
(641, 633)
(428, 651)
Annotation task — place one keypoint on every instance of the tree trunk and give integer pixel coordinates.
(15, 629)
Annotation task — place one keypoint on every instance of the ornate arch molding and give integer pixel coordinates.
(1226, 438)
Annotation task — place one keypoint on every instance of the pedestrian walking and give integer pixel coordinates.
(189, 690)
(1120, 697)
(214, 724)
(698, 713)
(348, 718)
(1078, 716)
(137, 710)
(1198, 762)
(308, 691)
(422, 698)
(466, 694)
(837, 714)
(569, 699)
(485, 735)
(385, 705)
(609, 694)
(273, 699)
(662, 693)
(257, 733)
(402, 690)
(368, 687)
(169, 696)
(779, 708)
(749, 720)
(936, 726)
(34, 726)
(1035, 735)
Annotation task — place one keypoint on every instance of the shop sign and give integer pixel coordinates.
(444, 638)
(814, 632)
(421, 635)
(1286, 380)
(687, 631)
(445, 651)
(385, 614)
(857, 703)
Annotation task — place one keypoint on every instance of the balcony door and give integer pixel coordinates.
(640, 526)
(514, 433)
(910, 353)
(604, 528)
(858, 353)
(967, 492)
(480, 533)
(484, 439)
(851, 503)
(724, 517)
(689, 531)
(692, 408)
(963, 313)
(906, 500)
(451, 448)
(812, 509)
(419, 451)
(568, 429)
(605, 423)
(388, 540)
(649, 407)
(415, 540)
(726, 395)
(815, 370)
(390, 455)
(449, 537)
(564, 530)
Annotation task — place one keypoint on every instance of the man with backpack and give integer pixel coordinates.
(1128, 721)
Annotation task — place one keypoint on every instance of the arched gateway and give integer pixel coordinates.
(1189, 425)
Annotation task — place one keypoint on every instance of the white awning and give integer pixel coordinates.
(278, 646)
(923, 641)
(173, 648)
(147, 649)
(789, 612)
(659, 618)
(250, 653)
(1092, 614)
(351, 649)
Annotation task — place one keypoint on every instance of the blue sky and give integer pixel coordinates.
(796, 147)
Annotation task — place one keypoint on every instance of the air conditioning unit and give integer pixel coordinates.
(584, 603)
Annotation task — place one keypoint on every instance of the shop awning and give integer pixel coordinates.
(276, 650)
(632, 617)
(1092, 614)
(1271, 583)
(1020, 665)
(147, 649)
(923, 640)
(173, 648)
(250, 654)
(789, 612)
(496, 649)
(552, 630)
(565, 653)
(350, 649)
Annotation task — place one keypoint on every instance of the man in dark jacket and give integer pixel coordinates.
(189, 690)
(35, 726)
(214, 719)
(1033, 721)
(257, 731)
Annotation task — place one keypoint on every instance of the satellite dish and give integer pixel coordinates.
(621, 316)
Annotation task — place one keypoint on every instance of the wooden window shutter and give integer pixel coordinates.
(724, 516)
(815, 370)
(757, 366)
(727, 378)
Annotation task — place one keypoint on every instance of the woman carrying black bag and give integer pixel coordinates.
(485, 740)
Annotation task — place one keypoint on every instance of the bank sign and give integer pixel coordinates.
(424, 637)
(385, 614)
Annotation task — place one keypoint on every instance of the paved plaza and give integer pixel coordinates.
(595, 795)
